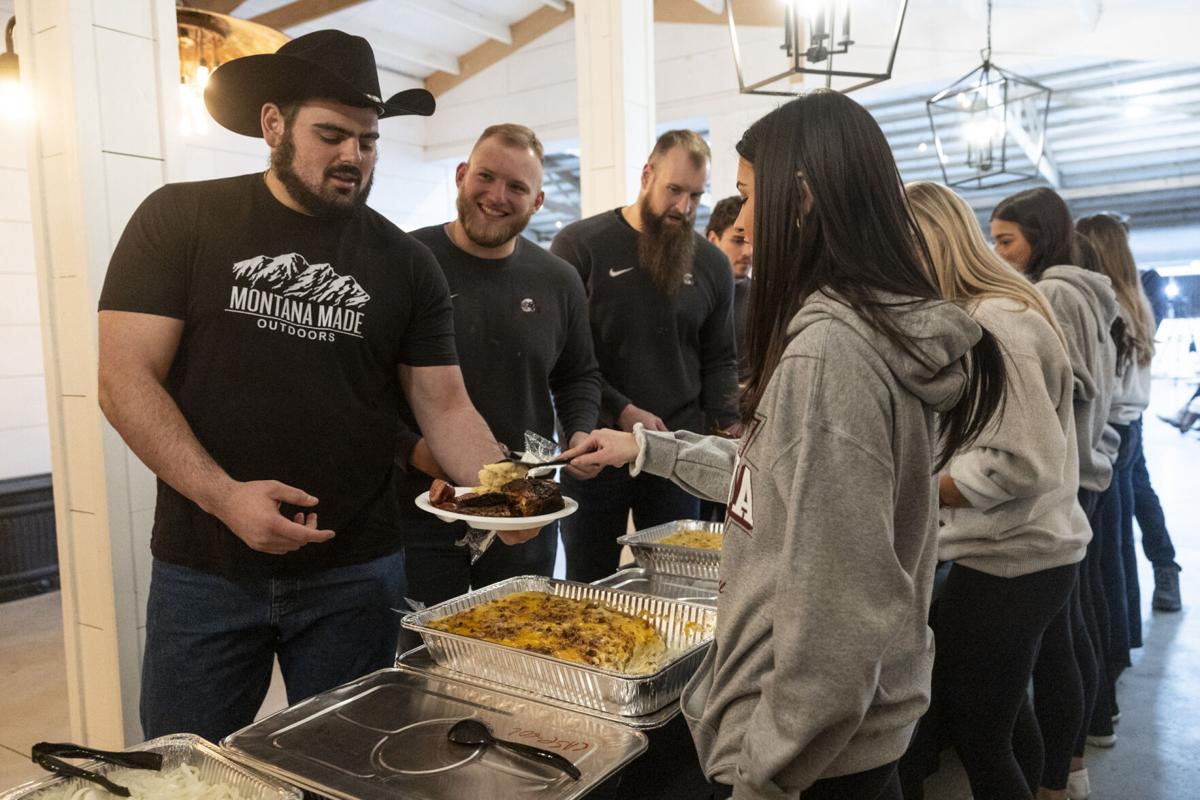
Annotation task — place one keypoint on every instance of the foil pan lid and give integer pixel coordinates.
(385, 736)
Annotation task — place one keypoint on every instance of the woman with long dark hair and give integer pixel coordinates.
(1010, 522)
(822, 659)
(1034, 232)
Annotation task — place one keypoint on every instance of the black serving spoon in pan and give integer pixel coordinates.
(474, 732)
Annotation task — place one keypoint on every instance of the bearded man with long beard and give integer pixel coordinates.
(660, 299)
(524, 345)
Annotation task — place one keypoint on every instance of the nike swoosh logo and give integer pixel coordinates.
(616, 273)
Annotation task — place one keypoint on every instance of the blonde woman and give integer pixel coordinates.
(1010, 522)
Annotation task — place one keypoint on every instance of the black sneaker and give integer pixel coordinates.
(1166, 589)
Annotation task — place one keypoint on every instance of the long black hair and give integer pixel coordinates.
(857, 239)
(1045, 222)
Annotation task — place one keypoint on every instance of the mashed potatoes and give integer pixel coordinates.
(493, 476)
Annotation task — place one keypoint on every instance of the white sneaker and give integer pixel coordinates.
(1078, 786)
(1102, 741)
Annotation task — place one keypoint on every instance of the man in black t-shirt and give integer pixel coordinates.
(660, 299)
(257, 334)
(524, 344)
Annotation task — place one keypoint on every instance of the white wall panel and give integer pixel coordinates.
(128, 108)
(82, 453)
(24, 451)
(18, 299)
(142, 485)
(20, 355)
(143, 523)
(24, 403)
(14, 195)
(74, 324)
(16, 244)
(126, 16)
(51, 81)
(128, 180)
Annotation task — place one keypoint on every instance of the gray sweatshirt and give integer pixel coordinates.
(822, 658)
(1085, 307)
(1021, 476)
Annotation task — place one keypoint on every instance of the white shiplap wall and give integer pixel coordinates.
(24, 431)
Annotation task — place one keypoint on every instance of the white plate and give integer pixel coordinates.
(494, 523)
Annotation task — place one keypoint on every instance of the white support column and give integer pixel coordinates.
(614, 52)
(101, 72)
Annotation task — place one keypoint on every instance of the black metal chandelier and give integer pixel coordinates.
(989, 127)
(818, 41)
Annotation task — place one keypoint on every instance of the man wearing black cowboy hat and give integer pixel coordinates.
(256, 334)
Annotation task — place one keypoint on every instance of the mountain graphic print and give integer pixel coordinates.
(289, 295)
(292, 276)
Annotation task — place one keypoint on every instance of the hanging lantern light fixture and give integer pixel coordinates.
(206, 41)
(818, 41)
(989, 127)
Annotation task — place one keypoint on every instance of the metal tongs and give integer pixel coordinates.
(49, 755)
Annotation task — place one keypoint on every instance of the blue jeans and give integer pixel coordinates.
(590, 534)
(1156, 542)
(211, 641)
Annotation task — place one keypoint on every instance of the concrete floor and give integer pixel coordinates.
(1157, 756)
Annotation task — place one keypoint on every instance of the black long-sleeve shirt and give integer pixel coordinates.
(673, 356)
(521, 329)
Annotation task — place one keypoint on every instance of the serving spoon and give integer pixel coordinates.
(474, 732)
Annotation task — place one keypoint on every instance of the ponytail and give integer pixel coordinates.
(1126, 345)
(982, 400)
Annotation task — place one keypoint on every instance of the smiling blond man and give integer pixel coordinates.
(524, 344)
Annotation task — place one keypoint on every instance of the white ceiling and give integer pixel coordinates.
(414, 37)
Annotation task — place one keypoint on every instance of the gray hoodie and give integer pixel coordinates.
(822, 659)
(1085, 307)
(1022, 474)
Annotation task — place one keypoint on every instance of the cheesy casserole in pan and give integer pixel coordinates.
(575, 630)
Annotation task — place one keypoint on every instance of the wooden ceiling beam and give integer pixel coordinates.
(300, 11)
(745, 12)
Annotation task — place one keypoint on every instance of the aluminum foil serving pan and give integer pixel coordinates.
(686, 628)
(212, 767)
(692, 562)
(659, 584)
(386, 736)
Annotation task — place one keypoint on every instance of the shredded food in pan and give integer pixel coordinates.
(703, 540)
(181, 783)
(575, 630)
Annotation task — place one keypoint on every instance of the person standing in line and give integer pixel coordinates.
(730, 238)
(1111, 240)
(256, 336)
(524, 345)
(1156, 540)
(1010, 521)
(859, 369)
(1033, 232)
(660, 300)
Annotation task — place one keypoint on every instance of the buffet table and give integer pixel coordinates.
(386, 734)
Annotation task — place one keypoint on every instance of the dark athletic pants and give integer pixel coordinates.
(881, 783)
(988, 632)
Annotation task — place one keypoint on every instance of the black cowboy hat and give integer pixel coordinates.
(323, 64)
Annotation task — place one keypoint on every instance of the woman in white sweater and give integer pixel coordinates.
(1010, 520)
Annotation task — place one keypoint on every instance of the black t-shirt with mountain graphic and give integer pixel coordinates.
(288, 367)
